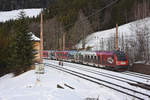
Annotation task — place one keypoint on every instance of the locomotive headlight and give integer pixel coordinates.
(120, 62)
(123, 63)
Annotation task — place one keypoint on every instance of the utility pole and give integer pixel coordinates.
(64, 41)
(102, 45)
(60, 43)
(41, 39)
(39, 68)
(116, 36)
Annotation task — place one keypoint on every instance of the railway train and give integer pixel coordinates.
(114, 60)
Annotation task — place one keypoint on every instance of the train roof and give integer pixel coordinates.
(105, 53)
(72, 52)
(87, 53)
(109, 52)
(61, 51)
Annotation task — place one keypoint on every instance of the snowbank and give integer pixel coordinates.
(13, 15)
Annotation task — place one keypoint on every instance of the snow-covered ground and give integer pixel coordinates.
(133, 78)
(110, 79)
(25, 87)
(14, 14)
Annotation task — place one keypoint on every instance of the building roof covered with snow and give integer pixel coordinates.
(34, 38)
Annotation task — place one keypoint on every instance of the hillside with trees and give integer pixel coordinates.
(73, 18)
(79, 18)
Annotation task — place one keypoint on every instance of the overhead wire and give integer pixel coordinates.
(112, 3)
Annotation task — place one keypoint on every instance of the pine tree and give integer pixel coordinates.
(23, 52)
(4, 52)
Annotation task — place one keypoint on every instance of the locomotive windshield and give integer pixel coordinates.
(121, 56)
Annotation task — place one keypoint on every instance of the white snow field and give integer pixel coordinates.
(26, 87)
(14, 14)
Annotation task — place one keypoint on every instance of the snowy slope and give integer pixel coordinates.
(7, 15)
(25, 87)
(126, 30)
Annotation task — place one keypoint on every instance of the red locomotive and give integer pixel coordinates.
(113, 60)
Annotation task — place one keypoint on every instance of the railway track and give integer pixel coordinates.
(147, 77)
(116, 77)
(142, 80)
(123, 89)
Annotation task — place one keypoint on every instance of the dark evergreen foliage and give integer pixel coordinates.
(22, 46)
(16, 46)
(21, 4)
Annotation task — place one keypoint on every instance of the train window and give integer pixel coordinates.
(94, 57)
(85, 57)
(102, 59)
(91, 60)
(52, 54)
(121, 56)
(91, 57)
(88, 57)
(80, 57)
(99, 59)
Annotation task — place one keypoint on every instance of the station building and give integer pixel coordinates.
(36, 42)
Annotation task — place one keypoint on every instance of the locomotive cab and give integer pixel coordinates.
(121, 60)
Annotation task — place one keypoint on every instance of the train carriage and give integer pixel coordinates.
(61, 55)
(86, 57)
(72, 56)
(89, 58)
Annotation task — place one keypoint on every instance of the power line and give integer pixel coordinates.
(112, 3)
